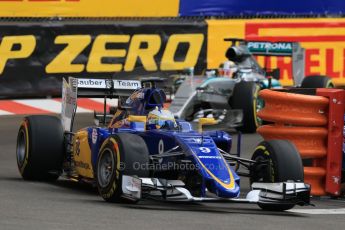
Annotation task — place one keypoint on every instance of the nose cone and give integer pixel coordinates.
(220, 178)
(225, 191)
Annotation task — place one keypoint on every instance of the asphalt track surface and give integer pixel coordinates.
(68, 205)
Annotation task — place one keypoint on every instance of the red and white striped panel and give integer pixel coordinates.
(47, 106)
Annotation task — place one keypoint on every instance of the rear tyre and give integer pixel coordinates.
(245, 97)
(277, 161)
(317, 81)
(121, 154)
(40, 148)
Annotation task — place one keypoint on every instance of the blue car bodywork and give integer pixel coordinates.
(142, 151)
(183, 164)
(201, 150)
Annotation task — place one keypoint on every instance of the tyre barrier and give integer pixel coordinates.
(314, 123)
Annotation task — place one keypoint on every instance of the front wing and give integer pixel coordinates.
(174, 190)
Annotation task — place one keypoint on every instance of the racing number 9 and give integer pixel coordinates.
(205, 150)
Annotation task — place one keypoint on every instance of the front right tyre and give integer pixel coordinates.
(276, 161)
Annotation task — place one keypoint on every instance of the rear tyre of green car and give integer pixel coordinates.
(317, 81)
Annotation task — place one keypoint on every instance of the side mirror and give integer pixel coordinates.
(206, 121)
(137, 122)
(132, 118)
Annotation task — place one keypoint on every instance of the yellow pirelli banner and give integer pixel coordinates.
(323, 39)
(39, 54)
(89, 8)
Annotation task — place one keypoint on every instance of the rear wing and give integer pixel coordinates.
(274, 48)
(282, 49)
(267, 48)
(100, 88)
(271, 48)
(91, 88)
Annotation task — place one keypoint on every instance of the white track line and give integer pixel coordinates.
(111, 102)
(312, 211)
(82, 110)
(48, 105)
(99, 100)
(2, 112)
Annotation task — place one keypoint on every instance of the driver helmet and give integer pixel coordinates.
(227, 69)
(160, 118)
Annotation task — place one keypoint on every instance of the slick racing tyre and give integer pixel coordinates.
(245, 97)
(277, 161)
(317, 81)
(120, 154)
(40, 148)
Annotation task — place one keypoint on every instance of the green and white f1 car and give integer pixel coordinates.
(232, 95)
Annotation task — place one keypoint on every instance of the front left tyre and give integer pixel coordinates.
(40, 148)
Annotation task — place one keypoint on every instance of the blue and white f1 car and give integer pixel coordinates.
(143, 152)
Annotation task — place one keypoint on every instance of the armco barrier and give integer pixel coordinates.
(315, 125)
